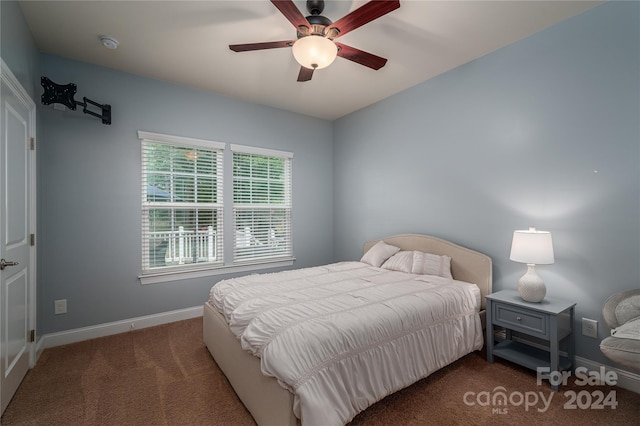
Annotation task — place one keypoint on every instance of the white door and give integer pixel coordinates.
(17, 264)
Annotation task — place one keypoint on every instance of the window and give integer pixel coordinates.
(261, 204)
(182, 226)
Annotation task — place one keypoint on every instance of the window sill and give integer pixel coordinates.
(166, 276)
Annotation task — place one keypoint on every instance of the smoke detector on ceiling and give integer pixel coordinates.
(109, 42)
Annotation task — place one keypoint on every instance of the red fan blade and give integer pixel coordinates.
(260, 46)
(305, 74)
(360, 56)
(291, 12)
(364, 14)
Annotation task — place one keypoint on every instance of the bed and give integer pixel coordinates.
(271, 400)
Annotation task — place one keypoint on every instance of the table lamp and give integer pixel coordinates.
(532, 247)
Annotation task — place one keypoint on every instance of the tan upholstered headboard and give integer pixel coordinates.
(466, 264)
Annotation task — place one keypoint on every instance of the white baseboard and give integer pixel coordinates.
(101, 330)
(626, 379)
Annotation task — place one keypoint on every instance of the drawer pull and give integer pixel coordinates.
(519, 318)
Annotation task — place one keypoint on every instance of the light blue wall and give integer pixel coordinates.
(509, 141)
(17, 47)
(89, 245)
(19, 52)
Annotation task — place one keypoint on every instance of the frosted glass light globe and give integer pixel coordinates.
(314, 52)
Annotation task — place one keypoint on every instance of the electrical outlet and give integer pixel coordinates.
(590, 328)
(60, 306)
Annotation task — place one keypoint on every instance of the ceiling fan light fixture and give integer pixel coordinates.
(314, 51)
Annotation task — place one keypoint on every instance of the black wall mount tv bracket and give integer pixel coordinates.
(63, 94)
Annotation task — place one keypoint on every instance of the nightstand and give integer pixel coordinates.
(533, 332)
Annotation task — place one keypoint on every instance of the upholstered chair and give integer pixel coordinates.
(621, 313)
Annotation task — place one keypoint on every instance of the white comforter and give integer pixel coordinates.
(343, 336)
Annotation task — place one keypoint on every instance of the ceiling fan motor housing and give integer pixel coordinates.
(317, 21)
(315, 7)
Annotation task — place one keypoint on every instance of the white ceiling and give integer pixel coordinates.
(186, 42)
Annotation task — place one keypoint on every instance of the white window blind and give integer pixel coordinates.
(182, 203)
(261, 204)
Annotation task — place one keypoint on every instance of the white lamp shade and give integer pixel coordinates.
(314, 52)
(533, 247)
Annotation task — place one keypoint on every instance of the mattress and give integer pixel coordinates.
(343, 336)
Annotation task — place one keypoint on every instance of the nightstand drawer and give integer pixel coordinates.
(521, 319)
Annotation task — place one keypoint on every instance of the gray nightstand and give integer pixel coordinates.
(548, 323)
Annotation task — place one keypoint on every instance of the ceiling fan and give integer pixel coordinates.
(315, 47)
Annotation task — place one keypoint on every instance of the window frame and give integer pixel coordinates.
(284, 249)
(216, 205)
(226, 246)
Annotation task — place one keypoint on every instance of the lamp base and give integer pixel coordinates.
(531, 287)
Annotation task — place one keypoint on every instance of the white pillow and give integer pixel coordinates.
(380, 252)
(401, 261)
(628, 330)
(431, 264)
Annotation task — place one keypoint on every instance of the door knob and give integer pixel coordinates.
(4, 264)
